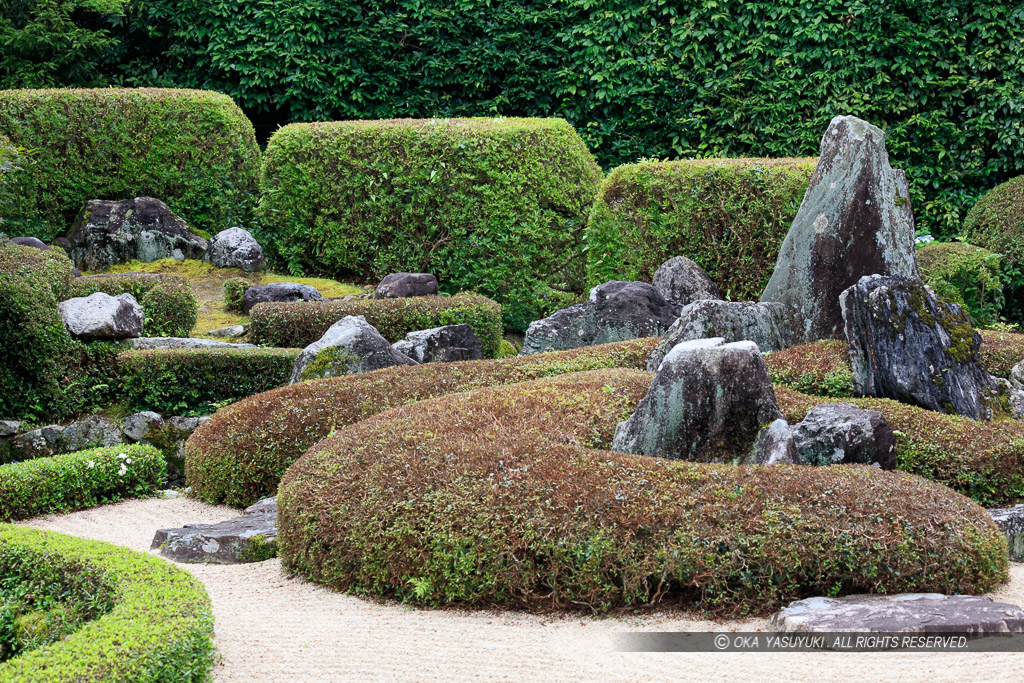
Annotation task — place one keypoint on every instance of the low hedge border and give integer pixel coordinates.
(299, 324)
(73, 481)
(239, 456)
(506, 496)
(157, 625)
(170, 306)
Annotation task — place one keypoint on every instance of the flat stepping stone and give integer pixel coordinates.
(1011, 522)
(141, 343)
(252, 537)
(903, 613)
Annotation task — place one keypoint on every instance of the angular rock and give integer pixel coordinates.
(9, 427)
(855, 220)
(139, 426)
(441, 345)
(774, 445)
(38, 443)
(229, 331)
(33, 242)
(1011, 522)
(681, 280)
(184, 424)
(278, 291)
(235, 248)
(765, 324)
(91, 432)
(252, 537)
(903, 613)
(841, 433)
(707, 403)
(1017, 376)
(101, 316)
(143, 229)
(401, 285)
(908, 345)
(183, 343)
(1009, 398)
(351, 345)
(616, 311)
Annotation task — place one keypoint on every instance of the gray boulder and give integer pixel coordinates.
(681, 280)
(143, 229)
(278, 291)
(855, 220)
(229, 331)
(1011, 522)
(183, 343)
(101, 316)
(33, 242)
(708, 402)
(91, 432)
(441, 345)
(616, 311)
(774, 445)
(1017, 376)
(351, 345)
(37, 443)
(908, 345)
(765, 324)
(841, 433)
(251, 537)
(139, 426)
(235, 248)
(9, 427)
(402, 285)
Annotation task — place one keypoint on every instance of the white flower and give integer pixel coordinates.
(128, 461)
(92, 463)
(122, 470)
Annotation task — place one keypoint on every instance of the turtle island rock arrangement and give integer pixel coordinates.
(349, 346)
(252, 537)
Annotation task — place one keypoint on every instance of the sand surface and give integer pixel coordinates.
(270, 627)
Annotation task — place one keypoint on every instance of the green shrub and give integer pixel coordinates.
(821, 368)
(10, 161)
(727, 215)
(196, 381)
(239, 455)
(996, 223)
(299, 324)
(193, 150)
(148, 619)
(234, 290)
(494, 205)
(167, 301)
(966, 275)
(73, 481)
(508, 496)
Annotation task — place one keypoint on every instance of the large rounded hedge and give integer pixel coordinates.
(493, 205)
(996, 221)
(964, 274)
(194, 150)
(506, 496)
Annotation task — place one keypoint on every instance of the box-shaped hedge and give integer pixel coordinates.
(194, 150)
(493, 205)
(728, 215)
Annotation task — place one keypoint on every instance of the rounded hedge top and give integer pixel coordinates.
(996, 221)
(964, 274)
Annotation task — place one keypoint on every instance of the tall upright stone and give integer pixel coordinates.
(855, 220)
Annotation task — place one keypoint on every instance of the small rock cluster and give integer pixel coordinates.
(251, 537)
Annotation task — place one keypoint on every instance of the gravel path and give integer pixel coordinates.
(270, 627)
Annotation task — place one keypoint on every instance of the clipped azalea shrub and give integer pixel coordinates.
(963, 274)
(113, 614)
(507, 496)
(239, 455)
(496, 205)
(821, 368)
(727, 215)
(169, 305)
(196, 381)
(73, 481)
(194, 150)
(299, 324)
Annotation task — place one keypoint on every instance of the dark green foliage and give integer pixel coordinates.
(493, 205)
(169, 305)
(196, 381)
(193, 150)
(73, 481)
(964, 274)
(10, 162)
(996, 222)
(300, 324)
(142, 618)
(234, 290)
(728, 215)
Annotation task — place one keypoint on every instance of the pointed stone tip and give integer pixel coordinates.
(853, 128)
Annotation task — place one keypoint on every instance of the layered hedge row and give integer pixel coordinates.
(169, 306)
(150, 620)
(493, 205)
(194, 150)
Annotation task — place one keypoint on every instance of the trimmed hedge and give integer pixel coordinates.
(967, 275)
(239, 455)
(727, 215)
(62, 483)
(170, 306)
(234, 290)
(996, 221)
(506, 496)
(299, 324)
(152, 620)
(193, 150)
(196, 381)
(491, 205)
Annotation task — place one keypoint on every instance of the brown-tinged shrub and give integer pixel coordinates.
(1000, 351)
(239, 456)
(504, 496)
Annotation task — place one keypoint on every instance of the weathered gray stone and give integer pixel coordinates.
(681, 280)
(908, 345)
(765, 324)
(1008, 397)
(183, 343)
(1017, 376)
(251, 537)
(9, 427)
(841, 433)
(235, 248)
(351, 345)
(33, 242)
(708, 402)
(229, 331)
(91, 432)
(101, 316)
(441, 345)
(143, 229)
(1011, 522)
(616, 311)
(774, 445)
(903, 613)
(184, 424)
(37, 443)
(401, 285)
(278, 291)
(139, 426)
(855, 220)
